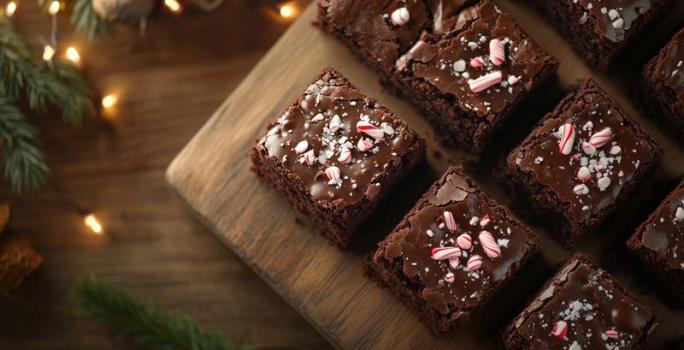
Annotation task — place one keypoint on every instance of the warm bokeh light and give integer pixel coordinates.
(93, 224)
(109, 101)
(11, 8)
(73, 55)
(48, 53)
(54, 8)
(288, 10)
(173, 5)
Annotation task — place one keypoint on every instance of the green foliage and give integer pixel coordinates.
(42, 86)
(86, 21)
(144, 321)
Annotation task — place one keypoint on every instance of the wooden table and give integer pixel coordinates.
(169, 83)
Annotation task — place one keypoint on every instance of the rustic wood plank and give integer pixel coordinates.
(324, 284)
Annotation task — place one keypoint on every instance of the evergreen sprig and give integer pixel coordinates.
(86, 21)
(145, 321)
(41, 86)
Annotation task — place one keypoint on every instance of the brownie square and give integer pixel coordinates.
(580, 163)
(663, 82)
(659, 242)
(452, 252)
(468, 83)
(600, 30)
(335, 153)
(582, 307)
(378, 31)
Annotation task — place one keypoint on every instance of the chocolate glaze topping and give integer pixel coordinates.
(317, 133)
(370, 22)
(608, 167)
(613, 19)
(445, 63)
(583, 308)
(664, 232)
(671, 67)
(425, 229)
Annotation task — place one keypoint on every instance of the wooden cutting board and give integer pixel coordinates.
(212, 174)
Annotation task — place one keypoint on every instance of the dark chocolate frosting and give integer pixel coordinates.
(588, 311)
(609, 167)
(613, 19)
(425, 229)
(664, 232)
(670, 69)
(369, 23)
(446, 62)
(310, 126)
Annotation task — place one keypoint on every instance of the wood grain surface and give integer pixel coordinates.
(325, 284)
(169, 84)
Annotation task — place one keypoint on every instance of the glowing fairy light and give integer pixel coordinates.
(73, 55)
(93, 224)
(109, 101)
(173, 5)
(48, 53)
(288, 10)
(11, 8)
(54, 8)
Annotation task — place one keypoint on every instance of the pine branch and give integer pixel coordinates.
(24, 166)
(145, 321)
(86, 21)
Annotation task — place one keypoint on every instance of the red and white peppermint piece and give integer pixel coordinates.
(601, 138)
(566, 138)
(449, 277)
(364, 144)
(485, 221)
(446, 253)
(477, 62)
(474, 263)
(584, 174)
(449, 221)
(497, 52)
(370, 129)
(588, 148)
(302, 146)
(335, 123)
(333, 173)
(489, 245)
(485, 82)
(308, 158)
(464, 241)
(612, 334)
(400, 16)
(560, 329)
(581, 189)
(345, 156)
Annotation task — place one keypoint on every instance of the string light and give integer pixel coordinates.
(11, 8)
(48, 53)
(173, 5)
(93, 224)
(54, 8)
(73, 55)
(288, 10)
(109, 101)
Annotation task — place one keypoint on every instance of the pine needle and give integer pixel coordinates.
(24, 165)
(145, 321)
(86, 21)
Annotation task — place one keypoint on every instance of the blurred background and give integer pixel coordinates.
(105, 209)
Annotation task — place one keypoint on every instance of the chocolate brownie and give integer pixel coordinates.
(378, 31)
(452, 252)
(600, 30)
(659, 242)
(581, 162)
(663, 82)
(469, 82)
(335, 153)
(581, 308)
